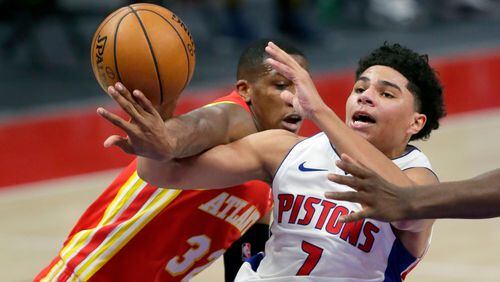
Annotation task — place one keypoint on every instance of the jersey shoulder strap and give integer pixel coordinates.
(232, 98)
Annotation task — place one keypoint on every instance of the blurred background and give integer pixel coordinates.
(53, 165)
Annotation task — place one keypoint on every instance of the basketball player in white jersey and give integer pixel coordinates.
(396, 98)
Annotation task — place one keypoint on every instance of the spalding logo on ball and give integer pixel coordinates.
(146, 47)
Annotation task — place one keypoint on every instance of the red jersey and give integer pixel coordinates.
(137, 232)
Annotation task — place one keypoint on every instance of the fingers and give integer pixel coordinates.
(278, 54)
(283, 62)
(282, 68)
(112, 140)
(119, 141)
(124, 103)
(343, 196)
(354, 216)
(127, 95)
(145, 103)
(123, 91)
(352, 167)
(287, 96)
(116, 120)
(345, 180)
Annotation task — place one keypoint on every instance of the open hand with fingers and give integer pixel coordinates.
(146, 131)
(380, 199)
(307, 100)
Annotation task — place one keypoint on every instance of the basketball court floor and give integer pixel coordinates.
(35, 218)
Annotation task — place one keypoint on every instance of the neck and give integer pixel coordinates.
(255, 121)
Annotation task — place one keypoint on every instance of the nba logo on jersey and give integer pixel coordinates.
(246, 251)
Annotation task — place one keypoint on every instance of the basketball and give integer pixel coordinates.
(146, 47)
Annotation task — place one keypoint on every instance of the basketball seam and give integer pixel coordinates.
(114, 47)
(152, 52)
(101, 26)
(183, 44)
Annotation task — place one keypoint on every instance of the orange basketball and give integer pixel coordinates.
(146, 47)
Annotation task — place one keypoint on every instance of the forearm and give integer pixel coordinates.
(220, 167)
(189, 136)
(175, 174)
(475, 198)
(349, 142)
(184, 137)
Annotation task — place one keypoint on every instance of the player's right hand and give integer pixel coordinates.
(307, 100)
(380, 199)
(147, 135)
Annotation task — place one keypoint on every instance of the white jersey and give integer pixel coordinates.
(308, 243)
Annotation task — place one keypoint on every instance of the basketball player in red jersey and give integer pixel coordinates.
(138, 232)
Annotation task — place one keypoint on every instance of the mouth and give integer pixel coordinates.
(292, 122)
(362, 119)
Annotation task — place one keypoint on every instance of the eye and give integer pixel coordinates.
(359, 90)
(281, 86)
(387, 95)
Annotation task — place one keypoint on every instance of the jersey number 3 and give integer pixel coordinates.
(313, 255)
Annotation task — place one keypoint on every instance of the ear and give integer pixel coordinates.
(244, 90)
(417, 123)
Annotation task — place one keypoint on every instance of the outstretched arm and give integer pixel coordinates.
(256, 156)
(478, 197)
(187, 135)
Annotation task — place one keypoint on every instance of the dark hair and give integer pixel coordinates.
(251, 60)
(423, 81)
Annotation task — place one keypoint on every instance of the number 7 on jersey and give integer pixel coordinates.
(313, 255)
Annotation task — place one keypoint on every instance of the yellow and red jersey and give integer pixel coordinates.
(137, 232)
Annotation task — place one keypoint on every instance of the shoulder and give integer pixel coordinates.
(233, 98)
(228, 119)
(421, 175)
(412, 157)
(223, 108)
(416, 166)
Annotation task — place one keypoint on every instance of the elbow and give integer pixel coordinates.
(412, 225)
(148, 177)
(161, 178)
(405, 225)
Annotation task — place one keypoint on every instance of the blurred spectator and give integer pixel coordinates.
(25, 17)
(459, 9)
(400, 13)
(289, 20)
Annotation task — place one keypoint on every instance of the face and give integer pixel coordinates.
(382, 110)
(263, 97)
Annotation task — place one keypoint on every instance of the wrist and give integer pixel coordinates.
(320, 113)
(410, 207)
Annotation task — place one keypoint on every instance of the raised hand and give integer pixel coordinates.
(307, 100)
(380, 199)
(146, 131)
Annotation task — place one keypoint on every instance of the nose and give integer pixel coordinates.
(366, 98)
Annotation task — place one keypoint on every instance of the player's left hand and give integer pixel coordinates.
(307, 100)
(146, 131)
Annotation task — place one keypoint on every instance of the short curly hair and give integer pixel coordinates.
(251, 62)
(423, 81)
